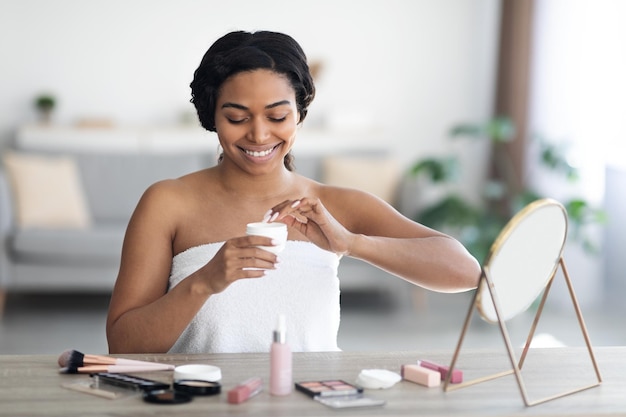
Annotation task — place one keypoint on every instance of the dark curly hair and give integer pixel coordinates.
(241, 51)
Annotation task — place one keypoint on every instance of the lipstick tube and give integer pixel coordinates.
(246, 390)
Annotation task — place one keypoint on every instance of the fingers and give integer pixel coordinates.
(240, 258)
(301, 210)
(248, 252)
(254, 241)
(309, 217)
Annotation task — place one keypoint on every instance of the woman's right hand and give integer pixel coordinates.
(238, 258)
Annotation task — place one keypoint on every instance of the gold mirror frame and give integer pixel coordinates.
(491, 292)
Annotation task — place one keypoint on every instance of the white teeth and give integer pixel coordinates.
(259, 154)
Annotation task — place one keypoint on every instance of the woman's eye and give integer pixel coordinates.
(278, 119)
(236, 121)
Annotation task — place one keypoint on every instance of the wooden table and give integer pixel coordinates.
(30, 385)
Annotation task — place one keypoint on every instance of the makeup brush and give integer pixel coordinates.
(75, 359)
(115, 369)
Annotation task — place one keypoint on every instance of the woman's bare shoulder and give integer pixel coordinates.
(171, 194)
(188, 183)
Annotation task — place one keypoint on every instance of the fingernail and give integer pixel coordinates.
(275, 242)
(274, 216)
(266, 216)
(295, 204)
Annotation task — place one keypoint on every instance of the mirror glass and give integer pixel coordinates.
(523, 259)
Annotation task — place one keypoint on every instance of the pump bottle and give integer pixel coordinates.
(280, 361)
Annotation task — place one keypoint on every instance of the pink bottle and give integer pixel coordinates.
(280, 362)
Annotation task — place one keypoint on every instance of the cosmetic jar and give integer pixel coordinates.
(276, 231)
(208, 373)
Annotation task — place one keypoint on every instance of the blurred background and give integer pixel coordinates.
(470, 108)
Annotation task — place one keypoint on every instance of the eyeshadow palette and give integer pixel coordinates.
(128, 381)
(329, 388)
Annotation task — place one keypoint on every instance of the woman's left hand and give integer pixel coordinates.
(309, 217)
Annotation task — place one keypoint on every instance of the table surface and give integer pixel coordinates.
(31, 385)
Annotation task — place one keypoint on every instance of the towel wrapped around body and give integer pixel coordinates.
(304, 287)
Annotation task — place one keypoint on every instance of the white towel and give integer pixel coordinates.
(304, 288)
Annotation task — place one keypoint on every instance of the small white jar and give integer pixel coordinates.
(276, 231)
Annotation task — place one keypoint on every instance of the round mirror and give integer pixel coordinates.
(523, 259)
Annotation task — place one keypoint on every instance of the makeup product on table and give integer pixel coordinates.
(280, 361)
(377, 378)
(197, 387)
(246, 390)
(350, 401)
(337, 393)
(75, 359)
(123, 369)
(128, 382)
(114, 386)
(455, 378)
(166, 396)
(421, 375)
(75, 362)
(328, 388)
(198, 372)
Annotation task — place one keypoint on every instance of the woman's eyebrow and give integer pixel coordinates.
(241, 107)
(234, 106)
(278, 103)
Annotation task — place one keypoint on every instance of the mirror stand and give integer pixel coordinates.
(486, 279)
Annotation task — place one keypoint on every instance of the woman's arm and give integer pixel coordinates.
(143, 315)
(360, 225)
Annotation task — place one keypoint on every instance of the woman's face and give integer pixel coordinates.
(256, 119)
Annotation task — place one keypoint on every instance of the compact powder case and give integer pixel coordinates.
(197, 387)
(166, 396)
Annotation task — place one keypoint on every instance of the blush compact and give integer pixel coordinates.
(328, 388)
(166, 396)
(197, 387)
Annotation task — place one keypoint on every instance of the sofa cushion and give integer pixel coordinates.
(48, 191)
(97, 245)
(378, 175)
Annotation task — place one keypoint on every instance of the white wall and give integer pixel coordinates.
(408, 69)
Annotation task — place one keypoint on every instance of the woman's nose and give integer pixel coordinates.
(259, 131)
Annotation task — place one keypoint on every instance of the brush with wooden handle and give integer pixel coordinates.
(115, 369)
(73, 361)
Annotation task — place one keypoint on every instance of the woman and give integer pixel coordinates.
(190, 280)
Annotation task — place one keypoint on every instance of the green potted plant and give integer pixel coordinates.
(477, 225)
(45, 104)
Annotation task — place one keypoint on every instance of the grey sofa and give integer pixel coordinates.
(87, 259)
(83, 259)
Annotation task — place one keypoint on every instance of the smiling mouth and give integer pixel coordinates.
(260, 154)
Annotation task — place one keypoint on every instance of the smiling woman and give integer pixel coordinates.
(251, 131)
(239, 53)
(192, 280)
